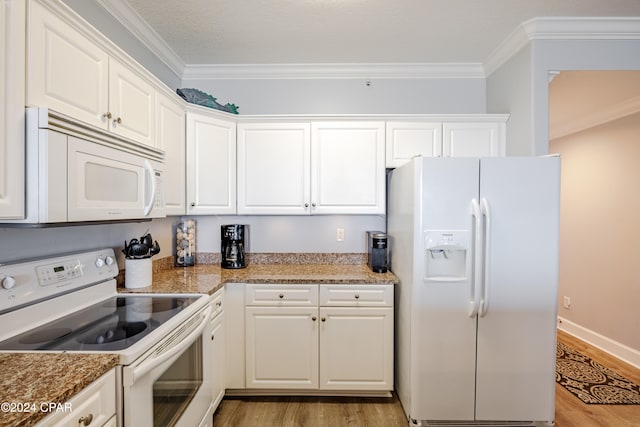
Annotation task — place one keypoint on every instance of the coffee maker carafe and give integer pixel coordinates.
(232, 246)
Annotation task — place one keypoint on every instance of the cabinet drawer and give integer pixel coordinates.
(282, 295)
(217, 303)
(97, 402)
(356, 295)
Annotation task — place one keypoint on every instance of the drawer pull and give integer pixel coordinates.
(281, 296)
(86, 420)
(357, 296)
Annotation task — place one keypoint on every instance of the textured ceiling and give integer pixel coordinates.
(351, 31)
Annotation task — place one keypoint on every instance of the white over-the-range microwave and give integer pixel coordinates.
(75, 173)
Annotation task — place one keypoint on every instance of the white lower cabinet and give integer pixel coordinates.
(218, 334)
(95, 405)
(282, 347)
(356, 348)
(306, 337)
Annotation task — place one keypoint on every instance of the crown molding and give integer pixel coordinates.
(562, 28)
(605, 115)
(333, 71)
(132, 21)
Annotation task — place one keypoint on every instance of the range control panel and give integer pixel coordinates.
(23, 283)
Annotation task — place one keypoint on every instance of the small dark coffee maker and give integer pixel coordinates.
(232, 246)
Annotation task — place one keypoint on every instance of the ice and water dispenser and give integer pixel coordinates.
(446, 253)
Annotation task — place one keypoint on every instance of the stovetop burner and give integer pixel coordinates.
(110, 325)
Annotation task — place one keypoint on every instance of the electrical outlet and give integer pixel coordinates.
(566, 302)
(340, 234)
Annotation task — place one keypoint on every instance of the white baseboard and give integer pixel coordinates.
(614, 348)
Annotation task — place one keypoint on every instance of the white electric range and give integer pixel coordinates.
(69, 303)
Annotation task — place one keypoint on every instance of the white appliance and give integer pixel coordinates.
(474, 243)
(69, 304)
(76, 173)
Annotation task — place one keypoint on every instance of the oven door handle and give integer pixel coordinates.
(162, 354)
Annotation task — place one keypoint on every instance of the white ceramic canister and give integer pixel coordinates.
(138, 273)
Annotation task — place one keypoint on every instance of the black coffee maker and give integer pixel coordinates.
(232, 246)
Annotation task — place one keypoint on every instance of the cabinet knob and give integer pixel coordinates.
(107, 115)
(357, 296)
(193, 205)
(313, 205)
(117, 121)
(86, 420)
(306, 205)
(281, 296)
(314, 318)
(212, 337)
(323, 319)
(219, 303)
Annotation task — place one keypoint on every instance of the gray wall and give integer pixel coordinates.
(509, 89)
(348, 96)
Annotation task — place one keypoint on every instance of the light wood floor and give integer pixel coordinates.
(375, 412)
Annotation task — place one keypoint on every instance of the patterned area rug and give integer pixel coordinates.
(592, 382)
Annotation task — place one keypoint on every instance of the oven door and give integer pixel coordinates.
(171, 384)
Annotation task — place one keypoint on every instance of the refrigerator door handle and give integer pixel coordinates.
(476, 258)
(486, 237)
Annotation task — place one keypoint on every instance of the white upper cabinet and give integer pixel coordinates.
(311, 168)
(12, 59)
(70, 73)
(131, 104)
(66, 71)
(473, 139)
(171, 138)
(211, 165)
(347, 168)
(406, 140)
(274, 168)
(472, 136)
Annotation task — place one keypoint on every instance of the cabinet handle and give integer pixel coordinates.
(281, 296)
(314, 318)
(86, 420)
(323, 319)
(357, 296)
(107, 115)
(117, 121)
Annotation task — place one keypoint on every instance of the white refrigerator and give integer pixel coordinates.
(474, 243)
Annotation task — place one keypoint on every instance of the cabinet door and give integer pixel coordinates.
(274, 168)
(473, 139)
(356, 348)
(281, 347)
(347, 168)
(170, 137)
(131, 104)
(65, 71)
(406, 140)
(12, 48)
(218, 362)
(211, 165)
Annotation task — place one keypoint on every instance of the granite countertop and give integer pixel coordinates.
(208, 278)
(43, 378)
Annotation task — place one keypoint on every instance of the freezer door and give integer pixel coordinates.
(443, 334)
(516, 323)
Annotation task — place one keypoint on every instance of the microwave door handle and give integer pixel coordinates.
(148, 169)
(152, 362)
